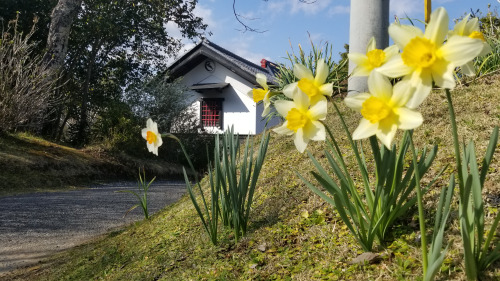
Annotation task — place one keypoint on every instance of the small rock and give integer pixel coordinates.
(262, 247)
(367, 257)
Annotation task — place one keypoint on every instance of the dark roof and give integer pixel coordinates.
(209, 86)
(206, 49)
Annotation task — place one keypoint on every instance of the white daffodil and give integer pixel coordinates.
(302, 119)
(470, 28)
(383, 109)
(315, 87)
(261, 94)
(152, 137)
(426, 58)
(373, 59)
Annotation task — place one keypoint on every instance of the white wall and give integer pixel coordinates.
(239, 110)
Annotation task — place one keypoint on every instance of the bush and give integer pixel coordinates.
(26, 85)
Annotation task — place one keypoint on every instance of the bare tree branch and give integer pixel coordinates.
(246, 27)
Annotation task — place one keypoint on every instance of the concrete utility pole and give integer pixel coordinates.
(369, 18)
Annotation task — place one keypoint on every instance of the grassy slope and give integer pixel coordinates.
(293, 233)
(31, 164)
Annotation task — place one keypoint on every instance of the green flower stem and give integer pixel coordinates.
(421, 218)
(455, 139)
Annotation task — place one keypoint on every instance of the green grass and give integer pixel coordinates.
(293, 234)
(31, 164)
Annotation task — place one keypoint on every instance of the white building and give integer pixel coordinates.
(219, 81)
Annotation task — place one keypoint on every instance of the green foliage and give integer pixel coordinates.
(477, 252)
(142, 194)
(387, 199)
(237, 193)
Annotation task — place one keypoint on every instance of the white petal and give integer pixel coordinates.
(262, 80)
(372, 45)
(408, 118)
(391, 51)
(301, 100)
(386, 135)
(319, 131)
(471, 26)
(468, 69)
(149, 123)
(422, 90)
(301, 71)
(460, 26)
(379, 86)
(355, 101)
(486, 49)
(437, 29)
(364, 130)
(395, 67)
(402, 34)
(322, 71)
(402, 92)
(144, 132)
(266, 111)
(357, 58)
(289, 90)
(159, 140)
(319, 110)
(284, 106)
(442, 74)
(460, 49)
(300, 141)
(151, 147)
(326, 89)
(283, 130)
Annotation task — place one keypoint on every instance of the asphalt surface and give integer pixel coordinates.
(35, 226)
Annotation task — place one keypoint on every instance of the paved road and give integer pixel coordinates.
(35, 226)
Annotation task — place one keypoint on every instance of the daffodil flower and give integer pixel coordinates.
(383, 109)
(470, 28)
(302, 119)
(152, 137)
(261, 94)
(425, 57)
(315, 87)
(373, 59)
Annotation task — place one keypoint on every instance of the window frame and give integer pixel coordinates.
(216, 103)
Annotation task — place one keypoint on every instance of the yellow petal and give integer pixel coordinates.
(386, 134)
(422, 89)
(326, 89)
(319, 110)
(319, 131)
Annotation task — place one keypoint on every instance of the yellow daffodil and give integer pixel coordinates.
(373, 59)
(261, 94)
(383, 109)
(313, 86)
(302, 119)
(152, 137)
(470, 28)
(426, 58)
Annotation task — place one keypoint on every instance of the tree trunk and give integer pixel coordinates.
(60, 25)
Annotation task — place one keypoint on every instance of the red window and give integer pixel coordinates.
(211, 113)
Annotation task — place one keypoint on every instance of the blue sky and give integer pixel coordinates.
(290, 22)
